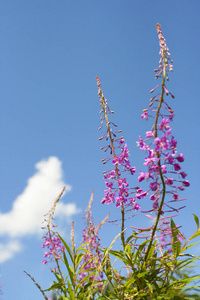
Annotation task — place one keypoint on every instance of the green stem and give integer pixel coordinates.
(159, 164)
(116, 170)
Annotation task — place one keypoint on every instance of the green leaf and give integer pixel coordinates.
(78, 259)
(82, 247)
(88, 277)
(67, 248)
(195, 234)
(196, 220)
(92, 269)
(82, 268)
(133, 236)
(118, 254)
(128, 251)
(108, 269)
(139, 275)
(129, 282)
(149, 286)
(151, 251)
(188, 262)
(58, 277)
(129, 239)
(70, 291)
(70, 270)
(140, 249)
(54, 286)
(190, 246)
(174, 229)
(176, 246)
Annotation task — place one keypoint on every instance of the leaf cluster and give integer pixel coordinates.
(156, 276)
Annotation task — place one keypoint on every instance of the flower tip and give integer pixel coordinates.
(186, 183)
(44, 262)
(98, 80)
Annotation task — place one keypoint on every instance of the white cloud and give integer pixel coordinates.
(29, 208)
(8, 250)
(67, 210)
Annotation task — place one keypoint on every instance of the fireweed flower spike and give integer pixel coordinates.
(164, 174)
(117, 187)
(92, 257)
(52, 242)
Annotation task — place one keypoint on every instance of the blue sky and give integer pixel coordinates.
(50, 54)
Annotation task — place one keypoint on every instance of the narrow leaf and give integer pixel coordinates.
(67, 247)
(196, 220)
(174, 229)
(70, 291)
(70, 270)
(54, 286)
(176, 246)
(195, 235)
(189, 246)
(78, 259)
(118, 254)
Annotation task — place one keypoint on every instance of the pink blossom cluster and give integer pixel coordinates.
(54, 246)
(165, 55)
(168, 162)
(117, 187)
(165, 174)
(52, 241)
(121, 193)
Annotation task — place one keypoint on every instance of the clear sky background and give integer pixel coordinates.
(50, 54)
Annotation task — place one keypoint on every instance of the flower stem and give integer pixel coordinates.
(159, 164)
(116, 170)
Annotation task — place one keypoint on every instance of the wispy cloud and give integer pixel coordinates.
(29, 208)
(9, 249)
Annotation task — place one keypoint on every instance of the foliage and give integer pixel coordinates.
(155, 262)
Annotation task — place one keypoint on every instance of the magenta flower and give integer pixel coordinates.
(52, 243)
(180, 157)
(153, 186)
(169, 181)
(117, 186)
(175, 196)
(54, 246)
(141, 177)
(177, 167)
(144, 115)
(164, 124)
(186, 183)
(44, 261)
(183, 174)
(164, 171)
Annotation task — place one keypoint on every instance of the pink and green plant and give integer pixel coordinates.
(155, 258)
